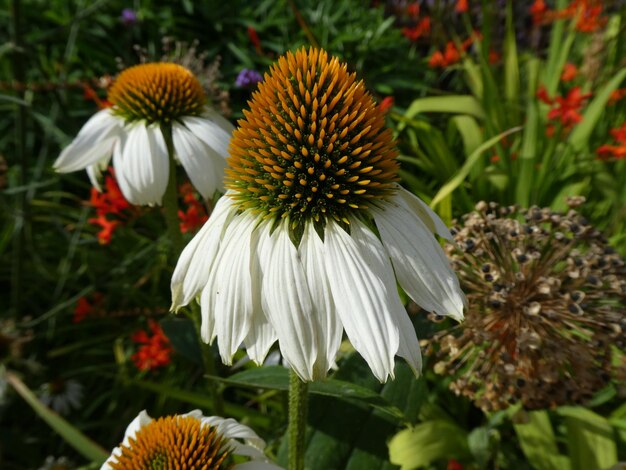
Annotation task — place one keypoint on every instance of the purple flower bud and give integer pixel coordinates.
(128, 17)
(248, 78)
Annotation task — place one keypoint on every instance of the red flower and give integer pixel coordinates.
(587, 14)
(494, 57)
(386, 104)
(254, 37)
(542, 94)
(617, 95)
(616, 151)
(91, 95)
(84, 308)
(155, 351)
(538, 11)
(422, 28)
(192, 218)
(111, 200)
(413, 9)
(451, 54)
(454, 465)
(569, 72)
(436, 60)
(566, 109)
(461, 6)
(108, 227)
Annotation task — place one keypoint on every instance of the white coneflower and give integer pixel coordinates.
(189, 441)
(62, 395)
(152, 103)
(313, 227)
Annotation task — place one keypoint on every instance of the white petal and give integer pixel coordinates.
(364, 303)
(231, 278)
(262, 335)
(253, 445)
(428, 216)
(330, 330)
(95, 171)
(146, 164)
(118, 165)
(203, 165)
(287, 302)
(194, 264)
(257, 465)
(94, 142)
(211, 131)
(422, 268)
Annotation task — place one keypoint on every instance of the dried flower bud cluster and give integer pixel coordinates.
(547, 299)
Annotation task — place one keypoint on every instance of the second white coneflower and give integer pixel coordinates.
(314, 231)
(151, 104)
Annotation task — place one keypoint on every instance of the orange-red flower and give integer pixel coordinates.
(616, 151)
(538, 11)
(91, 95)
(461, 6)
(587, 13)
(194, 216)
(155, 350)
(85, 308)
(413, 9)
(566, 109)
(422, 28)
(569, 72)
(616, 95)
(436, 60)
(386, 104)
(111, 200)
(107, 228)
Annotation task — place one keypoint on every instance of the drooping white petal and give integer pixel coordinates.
(118, 163)
(311, 252)
(194, 264)
(95, 171)
(231, 278)
(286, 301)
(145, 164)
(364, 303)
(203, 165)
(211, 131)
(428, 216)
(261, 335)
(422, 268)
(93, 143)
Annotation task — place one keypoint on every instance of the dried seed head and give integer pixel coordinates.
(547, 299)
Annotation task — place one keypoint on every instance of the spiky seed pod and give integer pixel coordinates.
(547, 303)
(173, 442)
(156, 92)
(313, 144)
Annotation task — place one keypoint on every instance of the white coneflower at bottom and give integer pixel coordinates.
(314, 231)
(190, 441)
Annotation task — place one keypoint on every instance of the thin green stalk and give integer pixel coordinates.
(170, 212)
(298, 403)
(170, 199)
(208, 360)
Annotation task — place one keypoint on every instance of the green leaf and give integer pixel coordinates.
(456, 104)
(579, 138)
(470, 132)
(277, 378)
(590, 439)
(81, 443)
(460, 176)
(538, 443)
(427, 442)
(202, 400)
(183, 337)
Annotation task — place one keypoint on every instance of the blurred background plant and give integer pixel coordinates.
(512, 102)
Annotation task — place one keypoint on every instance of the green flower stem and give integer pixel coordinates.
(170, 212)
(170, 199)
(298, 403)
(208, 360)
